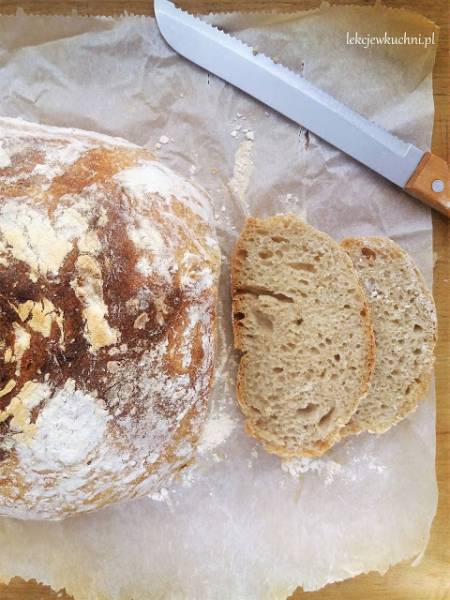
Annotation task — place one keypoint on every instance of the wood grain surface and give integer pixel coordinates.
(431, 579)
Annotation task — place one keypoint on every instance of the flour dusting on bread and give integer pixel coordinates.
(108, 274)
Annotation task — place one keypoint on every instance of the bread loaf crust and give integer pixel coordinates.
(108, 288)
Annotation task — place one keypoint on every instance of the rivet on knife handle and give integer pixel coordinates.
(430, 183)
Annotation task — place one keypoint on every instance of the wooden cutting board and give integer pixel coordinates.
(431, 579)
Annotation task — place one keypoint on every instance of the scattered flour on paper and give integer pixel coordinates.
(291, 202)
(253, 456)
(5, 159)
(242, 172)
(328, 469)
(161, 496)
(325, 468)
(215, 432)
(249, 135)
(370, 463)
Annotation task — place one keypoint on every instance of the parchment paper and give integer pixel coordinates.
(240, 524)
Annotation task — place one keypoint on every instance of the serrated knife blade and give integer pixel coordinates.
(294, 97)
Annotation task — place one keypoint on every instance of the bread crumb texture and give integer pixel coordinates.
(404, 321)
(303, 329)
(108, 284)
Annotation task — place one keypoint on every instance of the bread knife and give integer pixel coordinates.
(421, 174)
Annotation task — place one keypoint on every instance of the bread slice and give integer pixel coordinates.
(404, 321)
(302, 324)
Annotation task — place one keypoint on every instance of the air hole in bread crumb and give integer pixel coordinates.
(368, 253)
(298, 266)
(265, 254)
(326, 417)
(242, 253)
(337, 357)
(239, 316)
(417, 327)
(278, 369)
(298, 322)
(309, 409)
(261, 291)
(264, 321)
(278, 239)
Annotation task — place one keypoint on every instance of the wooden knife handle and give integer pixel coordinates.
(430, 183)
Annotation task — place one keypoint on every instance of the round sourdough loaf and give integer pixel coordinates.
(108, 285)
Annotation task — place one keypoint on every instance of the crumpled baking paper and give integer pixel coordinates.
(241, 524)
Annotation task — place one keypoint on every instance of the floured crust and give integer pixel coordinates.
(248, 290)
(404, 320)
(108, 286)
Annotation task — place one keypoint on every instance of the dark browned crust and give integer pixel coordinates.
(120, 284)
